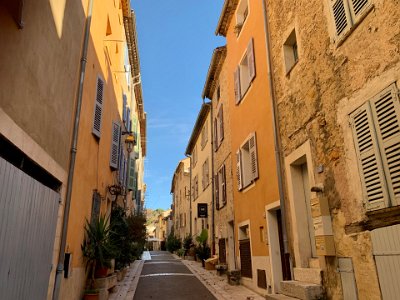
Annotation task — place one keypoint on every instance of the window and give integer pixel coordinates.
(347, 14)
(194, 155)
(218, 92)
(218, 128)
(206, 175)
(220, 188)
(290, 51)
(98, 107)
(246, 162)
(376, 132)
(204, 135)
(245, 73)
(241, 15)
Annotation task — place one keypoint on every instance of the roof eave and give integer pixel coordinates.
(202, 116)
(214, 70)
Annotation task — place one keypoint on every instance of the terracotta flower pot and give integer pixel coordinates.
(100, 272)
(91, 296)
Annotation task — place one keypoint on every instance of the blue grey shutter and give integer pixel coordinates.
(370, 163)
(386, 113)
(131, 179)
(251, 61)
(124, 109)
(128, 119)
(98, 107)
(115, 142)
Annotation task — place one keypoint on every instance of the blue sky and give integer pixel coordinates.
(176, 40)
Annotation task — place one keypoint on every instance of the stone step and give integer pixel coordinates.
(315, 263)
(301, 290)
(279, 297)
(308, 275)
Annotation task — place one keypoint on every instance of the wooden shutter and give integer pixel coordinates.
(221, 124)
(215, 130)
(203, 176)
(386, 113)
(370, 164)
(128, 119)
(223, 185)
(341, 16)
(253, 156)
(131, 179)
(222, 251)
(115, 141)
(357, 8)
(238, 95)
(245, 258)
(216, 184)
(251, 61)
(98, 108)
(239, 170)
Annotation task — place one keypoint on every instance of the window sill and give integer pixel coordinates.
(339, 40)
(291, 68)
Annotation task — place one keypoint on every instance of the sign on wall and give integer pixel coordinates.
(202, 211)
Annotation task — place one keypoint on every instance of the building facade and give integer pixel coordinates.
(336, 72)
(216, 89)
(252, 140)
(180, 190)
(199, 149)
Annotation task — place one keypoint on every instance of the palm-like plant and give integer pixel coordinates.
(97, 247)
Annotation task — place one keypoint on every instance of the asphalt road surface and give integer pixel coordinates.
(164, 277)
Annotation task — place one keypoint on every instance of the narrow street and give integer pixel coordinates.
(164, 277)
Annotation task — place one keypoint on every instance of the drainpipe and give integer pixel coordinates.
(212, 180)
(60, 266)
(190, 193)
(275, 125)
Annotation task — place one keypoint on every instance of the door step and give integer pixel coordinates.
(279, 297)
(302, 290)
(308, 275)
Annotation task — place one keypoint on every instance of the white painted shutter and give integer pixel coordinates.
(115, 141)
(357, 7)
(251, 61)
(216, 184)
(253, 156)
(221, 124)
(386, 112)
(239, 170)
(238, 95)
(98, 107)
(370, 164)
(341, 16)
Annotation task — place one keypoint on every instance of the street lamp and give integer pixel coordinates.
(130, 143)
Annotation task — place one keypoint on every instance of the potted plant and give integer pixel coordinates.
(97, 250)
(202, 250)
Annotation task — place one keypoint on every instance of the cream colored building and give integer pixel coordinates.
(216, 89)
(336, 68)
(199, 149)
(180, 190)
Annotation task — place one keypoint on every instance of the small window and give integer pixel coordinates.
(206, 175)
(242, 13)
(247, 162)
(220, 188)
(194, 156)
(204, 135)
(290, 51)
(218, 92)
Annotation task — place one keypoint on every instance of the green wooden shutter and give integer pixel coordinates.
(115, 141)
(131, 178)
(239, 170)
(369, 161)
(341, 16)
(251, 61)
(253, 156)
(238, 95)
(98, 108)
(386, 114)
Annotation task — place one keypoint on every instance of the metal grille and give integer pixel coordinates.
(222, 251)
(245, 258)
(261, 279)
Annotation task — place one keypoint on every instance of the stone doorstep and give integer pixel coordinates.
(314, 263)
(279, 297)
(308, 275)
(301, 290)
